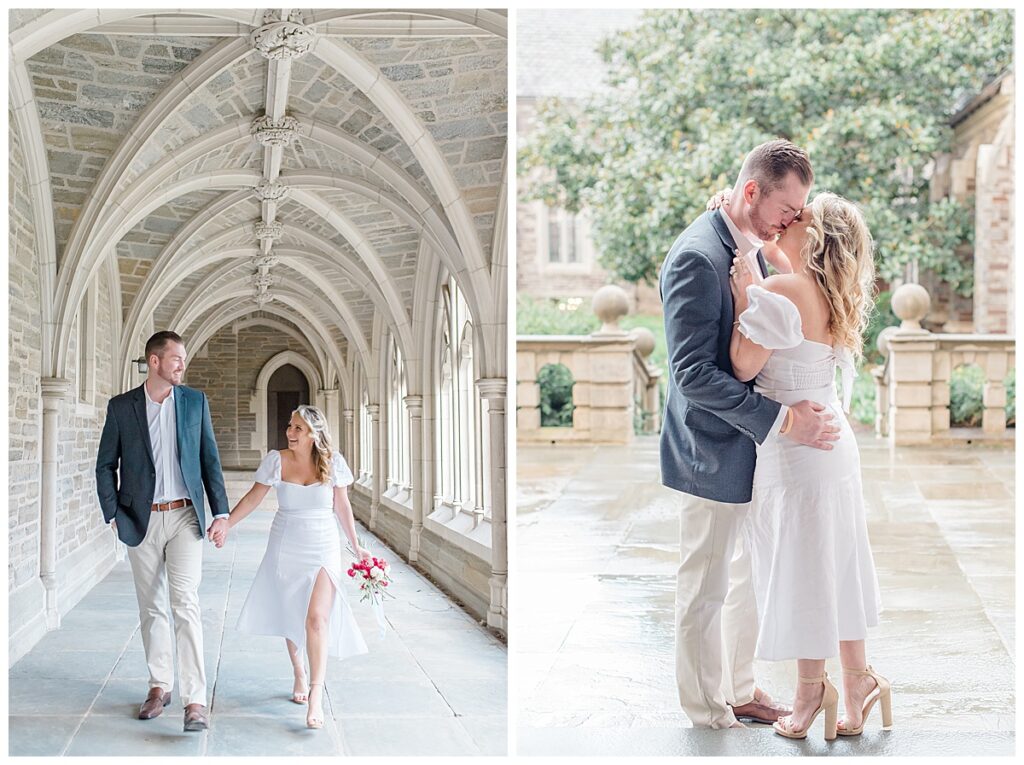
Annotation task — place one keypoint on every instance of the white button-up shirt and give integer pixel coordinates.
(748, 247)
(163, 436)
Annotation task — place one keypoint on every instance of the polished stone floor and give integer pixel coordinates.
(597, 552)
(435, 684)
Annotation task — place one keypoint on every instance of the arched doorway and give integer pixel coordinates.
(286, 390)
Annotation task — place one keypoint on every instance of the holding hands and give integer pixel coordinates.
(218, 531)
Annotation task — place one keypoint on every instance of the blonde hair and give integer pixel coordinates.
(838, 252)
(322, 454)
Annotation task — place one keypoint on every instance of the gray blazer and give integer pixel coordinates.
(711, 419)
(125, 450)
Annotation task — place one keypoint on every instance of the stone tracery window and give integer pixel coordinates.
(398, 474)
(459, 433)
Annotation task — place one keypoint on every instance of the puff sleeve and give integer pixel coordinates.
(269, 471)
(341, 475)
(771, 320)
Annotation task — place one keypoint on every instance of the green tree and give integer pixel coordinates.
(867, 93)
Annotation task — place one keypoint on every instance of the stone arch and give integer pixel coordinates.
(259, 396)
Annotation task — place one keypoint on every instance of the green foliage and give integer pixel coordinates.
(965, 387)
(539, 316)
(555, 381)
(868, 93)
(1011, 399)
(862, 403)
(881, 317)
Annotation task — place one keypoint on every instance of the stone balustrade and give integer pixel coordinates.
(613, 382)
(913, 385)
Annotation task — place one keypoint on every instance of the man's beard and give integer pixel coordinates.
(761, 230)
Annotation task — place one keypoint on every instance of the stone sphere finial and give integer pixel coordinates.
(882, 341)
(610, 304)
(644, 341)
(911, 303)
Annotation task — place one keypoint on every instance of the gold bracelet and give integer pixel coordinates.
(787, 424)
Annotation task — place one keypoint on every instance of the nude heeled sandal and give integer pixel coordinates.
(829, 705)
(315, 722)
(882, 692)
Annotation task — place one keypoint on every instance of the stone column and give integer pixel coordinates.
(379, 461)
(414, 404)
(329, 397)
(349, 440)
(493, 390)
(54, 390)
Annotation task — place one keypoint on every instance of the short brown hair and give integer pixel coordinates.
(771, 162)
(158, 342)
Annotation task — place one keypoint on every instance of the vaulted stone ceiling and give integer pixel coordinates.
(306, 166)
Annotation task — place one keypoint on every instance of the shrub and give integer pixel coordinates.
(555, 381)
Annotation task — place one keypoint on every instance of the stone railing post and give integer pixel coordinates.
(993, 418)
(493, 390)
(911, 369)
(611, 369)
(650, 400)
(414, 405)
(54, 390)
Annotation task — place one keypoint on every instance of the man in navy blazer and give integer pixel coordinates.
(156, 457)
(711, 424)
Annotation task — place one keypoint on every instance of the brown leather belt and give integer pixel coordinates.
(174, 504)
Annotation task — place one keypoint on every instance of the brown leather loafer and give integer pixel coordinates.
(154, 704)
(195, 718)
(763, 709)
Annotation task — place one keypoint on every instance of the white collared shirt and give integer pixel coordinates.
(748, 247)
(163, 436)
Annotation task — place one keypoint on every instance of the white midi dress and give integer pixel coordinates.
(304, 538)
(812, 569)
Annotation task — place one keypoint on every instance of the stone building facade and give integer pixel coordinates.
(306, 191)
(555, 254)
(980, 168)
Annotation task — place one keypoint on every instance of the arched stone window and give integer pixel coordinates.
(365, 438)
(458, 434)
(398, 476)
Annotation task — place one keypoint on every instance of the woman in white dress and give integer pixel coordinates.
(297, 590)
(812, 569)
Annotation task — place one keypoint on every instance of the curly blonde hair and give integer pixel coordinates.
(838, 252)
(322, 451)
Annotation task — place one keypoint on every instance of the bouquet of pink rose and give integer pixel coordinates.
(375, 578)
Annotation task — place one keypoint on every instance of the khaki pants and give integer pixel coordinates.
(171, 557)
(716, 613)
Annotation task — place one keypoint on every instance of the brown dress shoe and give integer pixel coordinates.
(763, 709)
(154, 704)
(195, 717)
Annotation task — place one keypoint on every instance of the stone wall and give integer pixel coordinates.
(85, 547)
(24, 365)
(226, 371)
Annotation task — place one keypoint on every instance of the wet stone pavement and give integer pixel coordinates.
(435, 684)
(597, 541)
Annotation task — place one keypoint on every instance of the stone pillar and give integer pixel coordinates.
(911, 353)
(54, 390)
(527, 392)
(993, 419)
(493, 390)
(417, 467)
(611, 370)
(379, 461)
(349, 440)
(649, 397)
(329, 399)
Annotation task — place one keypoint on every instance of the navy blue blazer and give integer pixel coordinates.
(712, 420)
(125, 451)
